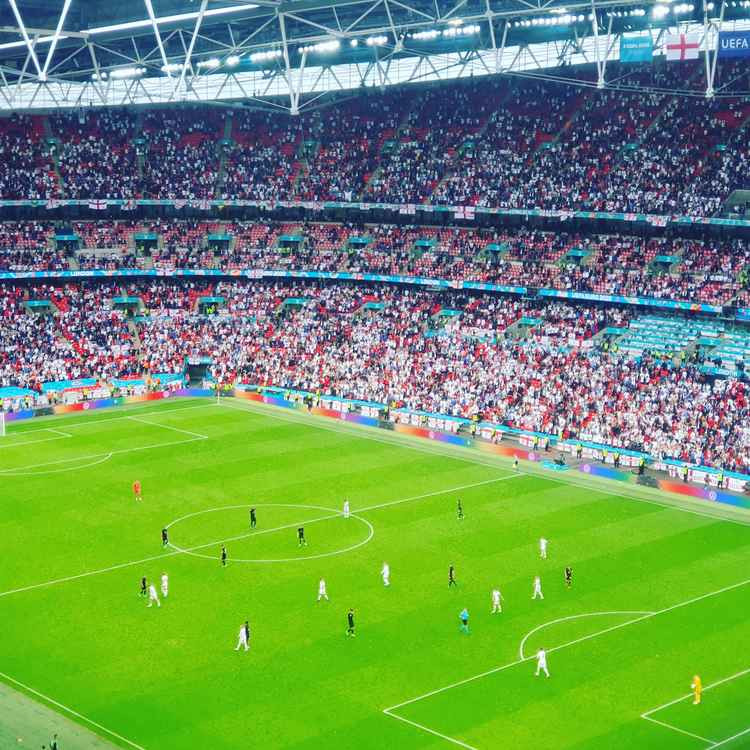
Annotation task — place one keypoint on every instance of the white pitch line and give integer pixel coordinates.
(440, 492)
(677, 729)
(690, 695)
(295, 524)
(59, 436)
(87, 422)
(120, 566)
(729, 739)
(570, 479)
(575, 617)
(70, 711)
(58, 432)
(169, 427)
(13, 473)
(584, 638)
(10, 472)
(357, 431)
(445, 737)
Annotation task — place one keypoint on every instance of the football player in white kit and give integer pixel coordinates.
(386, 573)
(537, 589)
(153, 596)
(322, 594)
(164, 585)
(497, 598)
(541, 662)
(347, 512)
(243, 639)
(543, 548)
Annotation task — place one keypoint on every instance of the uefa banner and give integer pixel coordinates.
(734, 44)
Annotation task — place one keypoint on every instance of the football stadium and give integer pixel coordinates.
(373, 374)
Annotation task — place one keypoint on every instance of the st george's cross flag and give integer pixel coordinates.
(682, 47)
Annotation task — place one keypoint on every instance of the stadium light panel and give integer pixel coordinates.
(425, 35)
(331, 46)
(376, 41)
(233, 61)
(270, 54)
(127, 72)
(170, 19)
(660, 11)
(126, 26)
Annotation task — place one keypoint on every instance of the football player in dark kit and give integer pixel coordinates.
(301, 541)
(253, 519)
(144, 587)
(164, 538)
(223, 556)
(451, 576)
(350, 623)
(568, 576)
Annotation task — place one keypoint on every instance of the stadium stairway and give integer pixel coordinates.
(221, 176)
(738, 196)
(396, 136)
(136, 337)
(458, 155)
(578, 107)
(670, 104)
(49, 134)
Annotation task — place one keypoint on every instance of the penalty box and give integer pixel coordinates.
(509, 703)
(721, 720)
(87, 443)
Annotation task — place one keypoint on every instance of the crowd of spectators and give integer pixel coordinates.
(638, 145)
(712, 270)
(508, 360)
(78, 336)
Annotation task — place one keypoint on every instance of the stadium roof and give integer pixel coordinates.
(290, 53)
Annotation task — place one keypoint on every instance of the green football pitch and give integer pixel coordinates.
(661, 591)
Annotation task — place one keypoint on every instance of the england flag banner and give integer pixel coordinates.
(682, 47)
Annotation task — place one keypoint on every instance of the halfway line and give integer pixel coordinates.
(178, 551)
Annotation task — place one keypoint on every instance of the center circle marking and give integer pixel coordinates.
(333, 513)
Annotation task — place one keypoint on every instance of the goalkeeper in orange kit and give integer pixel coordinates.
(696, 686)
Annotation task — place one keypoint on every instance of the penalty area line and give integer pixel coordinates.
(168, 427)
(729, 739)
(445, 737)
(690, 695)
(648, 715)
(70, 711)
(712, 743)
(18, 469)
(390, 711)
